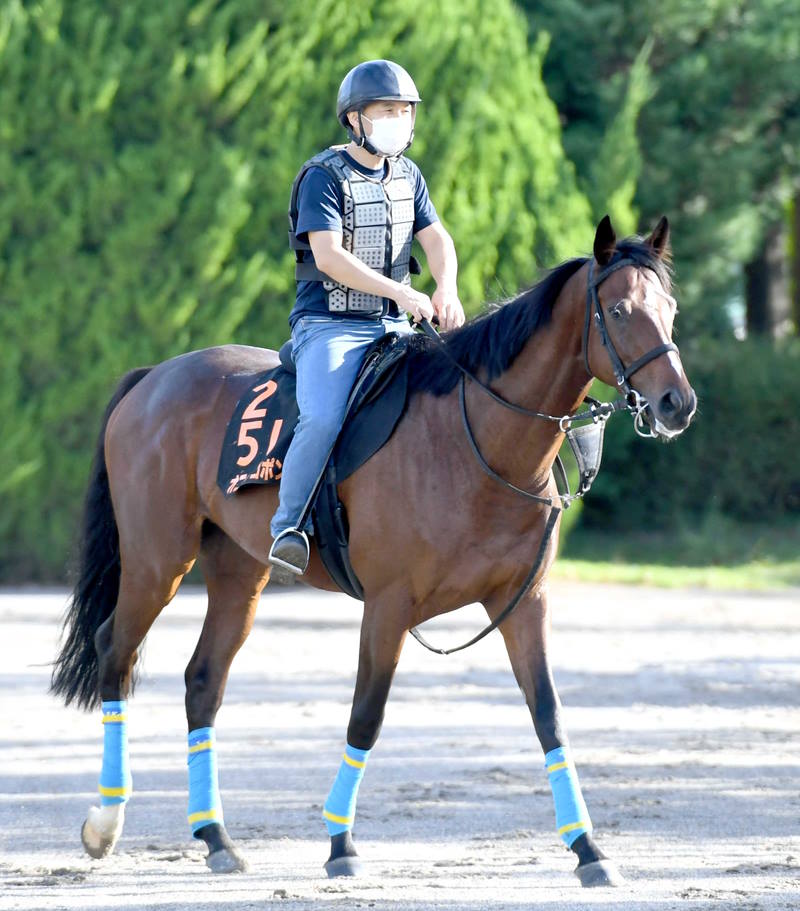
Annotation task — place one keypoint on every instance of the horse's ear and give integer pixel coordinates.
(659, 239)
(605, 242)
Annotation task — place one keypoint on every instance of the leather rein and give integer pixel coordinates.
(596, 412)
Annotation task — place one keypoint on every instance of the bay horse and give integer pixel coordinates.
(431, 531)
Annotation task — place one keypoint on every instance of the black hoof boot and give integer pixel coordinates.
(222, 854)
(344, 860)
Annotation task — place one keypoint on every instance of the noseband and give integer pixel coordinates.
(621, 373)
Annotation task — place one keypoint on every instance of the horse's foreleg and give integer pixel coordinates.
(382, 637)
(234, 581)
(525, 633)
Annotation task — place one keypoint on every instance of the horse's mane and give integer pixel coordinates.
(493, 339)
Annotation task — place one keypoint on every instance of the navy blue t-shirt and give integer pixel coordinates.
(319, 208)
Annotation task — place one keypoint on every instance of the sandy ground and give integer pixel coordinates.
(682, 709)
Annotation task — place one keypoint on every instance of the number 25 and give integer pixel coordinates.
(252, 411)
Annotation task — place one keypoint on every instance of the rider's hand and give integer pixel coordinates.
(448, 308)
(414, 302)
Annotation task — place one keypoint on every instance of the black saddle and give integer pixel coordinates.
(366, 429)
(286, 356)
(375, 406)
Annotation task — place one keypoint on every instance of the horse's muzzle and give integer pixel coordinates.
(673, 412)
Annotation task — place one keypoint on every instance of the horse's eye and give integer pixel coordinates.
(621, 309)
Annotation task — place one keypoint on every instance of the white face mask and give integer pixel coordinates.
(390, 135)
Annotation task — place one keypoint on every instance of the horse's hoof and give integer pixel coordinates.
(102, 829)
(95, 844)
(227, 860)
(349, 865)
(599, 873)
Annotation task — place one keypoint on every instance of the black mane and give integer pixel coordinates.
(493, 339)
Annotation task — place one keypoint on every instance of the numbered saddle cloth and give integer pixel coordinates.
(262, 425)
(259, 432)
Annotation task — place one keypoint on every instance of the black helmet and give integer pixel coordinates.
(375, 80)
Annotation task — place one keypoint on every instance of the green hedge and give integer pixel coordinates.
(146, 156)
(738, 459)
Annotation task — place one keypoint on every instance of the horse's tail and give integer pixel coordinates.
(96, 589)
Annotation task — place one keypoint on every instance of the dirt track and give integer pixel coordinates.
(682, 709)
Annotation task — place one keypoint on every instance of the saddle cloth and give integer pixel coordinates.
(262, 426)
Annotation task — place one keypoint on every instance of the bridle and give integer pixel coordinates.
(635, 403)
(597, 413)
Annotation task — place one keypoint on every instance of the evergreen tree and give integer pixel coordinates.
(719, 138)
(146, 159)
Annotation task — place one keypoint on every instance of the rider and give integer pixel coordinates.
(353, 212)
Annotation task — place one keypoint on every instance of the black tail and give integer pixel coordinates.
(97, 585)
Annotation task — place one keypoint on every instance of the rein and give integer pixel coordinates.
(597, 412)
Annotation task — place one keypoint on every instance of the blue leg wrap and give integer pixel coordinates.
(205, 805)
(115, 776)
(340, 807)
(572, 817)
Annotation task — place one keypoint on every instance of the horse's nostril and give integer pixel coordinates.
(670, 402)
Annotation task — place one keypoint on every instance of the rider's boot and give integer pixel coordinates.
(290, 551)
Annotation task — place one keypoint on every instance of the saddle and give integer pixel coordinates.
(262, 426)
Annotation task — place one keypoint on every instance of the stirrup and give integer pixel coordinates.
(296, 551)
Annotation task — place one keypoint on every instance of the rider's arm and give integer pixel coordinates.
(440, 251)
(332, 259)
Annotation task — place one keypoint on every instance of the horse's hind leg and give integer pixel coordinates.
(234, 580)
(143, 593)
(383, 632)
(525, 633)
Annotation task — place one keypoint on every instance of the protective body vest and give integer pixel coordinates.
(377, 228)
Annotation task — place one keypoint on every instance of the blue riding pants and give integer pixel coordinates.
(328, 352)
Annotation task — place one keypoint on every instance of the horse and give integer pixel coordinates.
(430, 529)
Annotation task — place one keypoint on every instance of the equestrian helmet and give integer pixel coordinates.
(375, 80)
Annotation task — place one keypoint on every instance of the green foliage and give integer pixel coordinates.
(146, 156)
(737, 460)
(614, 171)
(600, 92)
(720, 137)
